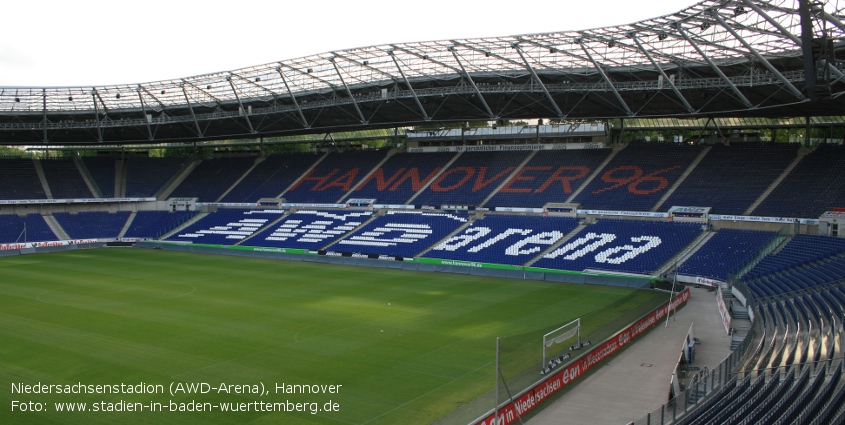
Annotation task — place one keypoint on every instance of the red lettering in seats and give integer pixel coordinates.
(413, 174)
(344, 182)
(311, 177)
(635, 179)
(565, 180)
(608, 177)
(480, 182)
(436, 185)
(378, 176)
(651, 177)
(520, 177)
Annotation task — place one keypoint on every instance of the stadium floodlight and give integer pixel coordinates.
(562, 334)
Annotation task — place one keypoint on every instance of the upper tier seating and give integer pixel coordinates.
(402, 175)
(212, 177)
(226, 226)
(814, 186)
(730, 178)
(471, 178)
(504, 239)
(64, 179)
(154, 224)
(637, 177)
(146, 176)
(727, 250)
(12, 229)
(335, 175)
(92, 224)
(550, 176)
(271, 177)
(102, 170)
(622, 245)
(310, 229)
(19, 180)
(404, 233)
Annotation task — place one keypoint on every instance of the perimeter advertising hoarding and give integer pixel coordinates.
(530, 398)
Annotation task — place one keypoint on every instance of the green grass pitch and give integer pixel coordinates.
(406, 347)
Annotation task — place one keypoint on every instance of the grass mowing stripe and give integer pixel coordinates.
(131, 315)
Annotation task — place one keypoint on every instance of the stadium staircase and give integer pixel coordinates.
(508, 179)
(685, 253)
(305, 173)
(434, 179)
(802, 152)
(557, 244)
(681, 179)
(177, 179)
(576, 192)
(127, 224)
(375, 215)
(238, 181)
(184, 225)
(120, 178)
(56, 227)
(264, 227)
(366, 176)
(86, 177)
(40, 171)
(446, 238)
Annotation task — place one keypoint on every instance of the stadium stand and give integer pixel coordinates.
(402, 175)
(212, 177)
(271, 177)
(550, 176)
(102, 170)
(471, 178)
(154, 224)
(28, 228)
(20, 180)
(814, 186)
(730, 178)
(226, 226)
(310, 229)
(146, 176)
(334, 176)
(92, 224)
(727, 250)
(805, 262)
(402, 233)
(504, 239)
(621, 245)
(637, 177)
(64, 179)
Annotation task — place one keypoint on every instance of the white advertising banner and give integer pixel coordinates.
(506, 148)
(24, 245)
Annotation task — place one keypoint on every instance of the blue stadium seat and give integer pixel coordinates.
(335, 175)
(471, 178)
(64, 179)
(310, 229)
(212, 177)
(403, 233)
(271, 177)
(92, 224)
(401, 176)
(724, 252)
(29, 228)
(154, 224)
(226, 226)
(20, 180)
(504, 239)
(622, 245)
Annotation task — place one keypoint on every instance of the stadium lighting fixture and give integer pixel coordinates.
(662, 36)
(162, 92)
(117, 96)
(704, 26)
(611, 43)
(17, 99)
(208, 87)
(739, 11)
(70, 98)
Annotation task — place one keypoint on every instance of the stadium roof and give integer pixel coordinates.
(715, 58)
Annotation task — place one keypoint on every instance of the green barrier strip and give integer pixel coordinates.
(245, 248)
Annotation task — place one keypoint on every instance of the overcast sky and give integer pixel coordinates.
(87, 42)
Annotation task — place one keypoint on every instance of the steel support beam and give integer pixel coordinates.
(715, 68)
(426, 58)
(144, 108)
(259, 86)
(665, 77)
(290, 93)
(797, 93)
(807, 48)
(408, 83)
(607, 80)
(540, 82)
(471, 82)
(216, 100)
(144, 89)
(94, 96)
(241, 105)
(786, 33)
(348, 91)
(44, 107)
(191, 108)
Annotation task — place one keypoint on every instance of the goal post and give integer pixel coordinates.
(561, 334)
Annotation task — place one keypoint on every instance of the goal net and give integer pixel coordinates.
(563, 334)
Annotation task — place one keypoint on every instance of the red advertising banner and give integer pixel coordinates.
(532, 397)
